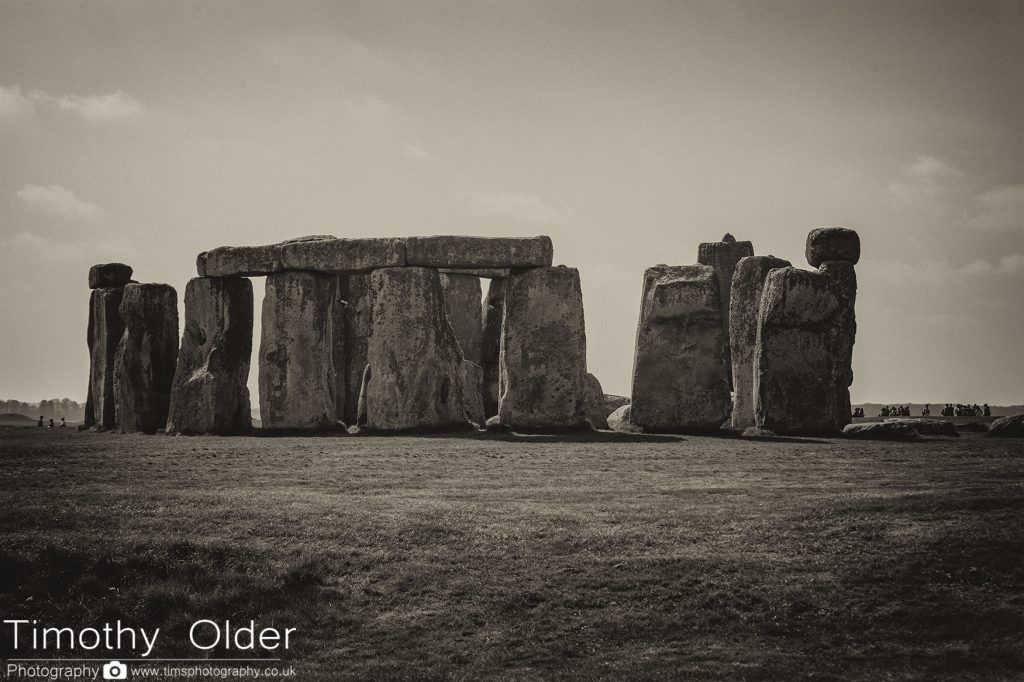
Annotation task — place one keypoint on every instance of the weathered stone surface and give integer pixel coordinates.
(146, 356)
(543, 350)
(338, 354)
(490, 346)
(89, 417)
(107, 329)
(109, 275)
(680, 375)
(210, 393)
(1007, 427)
(296, 357)
(620, 421)
(239, 261)
(842, 334)
(487, 273)
(832, 243)
(417, 380)
(880, 431)
(927, 427)
(456, 251)
(364, 387)
(614, 402)
(357, 312)
(795, 367)
(473, 383)
(465, 313)
(593, 401)
(723, 257)
(744, 303)
(343, 255)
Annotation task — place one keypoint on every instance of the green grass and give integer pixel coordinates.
(608, 556)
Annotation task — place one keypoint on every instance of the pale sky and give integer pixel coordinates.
(629, 132)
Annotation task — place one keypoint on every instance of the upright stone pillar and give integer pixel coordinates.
(89, 418)
(107, 331)
(357, 318)
(805, 336)
(680, 375)
(146, 356)
(543, 351)
(416, 366)
(210, 392)
(296, 363)
(493, 310)
(745, 301)
(723, 257)
(338, 354)
(462, 304)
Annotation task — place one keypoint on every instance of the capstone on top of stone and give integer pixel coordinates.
(109, 275)
(832, 243)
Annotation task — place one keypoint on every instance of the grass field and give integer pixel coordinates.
(512, 557)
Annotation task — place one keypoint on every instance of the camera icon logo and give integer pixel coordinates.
(115, 670)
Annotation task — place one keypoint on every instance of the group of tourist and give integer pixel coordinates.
(63, 423)
(898, 411)
(959, 410)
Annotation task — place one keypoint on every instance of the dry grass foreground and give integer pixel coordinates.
(512, 557)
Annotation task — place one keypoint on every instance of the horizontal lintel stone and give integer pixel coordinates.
(343, 255)
(456, 251)
(489, 273)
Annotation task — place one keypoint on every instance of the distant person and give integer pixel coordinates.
(51, 423)
(987, 410)
(63, 423)
(40, 420)
(926, 411)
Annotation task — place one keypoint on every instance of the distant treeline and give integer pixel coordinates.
(49, 409)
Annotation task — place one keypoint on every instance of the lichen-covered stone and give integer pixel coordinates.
(146, 356)
(493, 308)
(680, 375)
(744, 303)
(210, 393)
(462, 298)
(795, 373)
(417, 366)
(109, 275)
(107, 329)
(723, 257)
(543, 350)
(343, 255)
(832, 243)
(239, 261)
(296, 356)
(456, 251)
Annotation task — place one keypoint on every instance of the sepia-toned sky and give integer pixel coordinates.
(629, 132)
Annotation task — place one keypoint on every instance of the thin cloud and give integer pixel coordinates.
(414, 151)
(518, 207)
(58, 200)
(115, 106)
(999, 209)
(926, 178)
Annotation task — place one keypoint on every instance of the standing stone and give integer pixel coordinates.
(723, 257)
(109, 275)
(841, 335)
(462, 305)
(594, 402)
(146, 357)
(210, 393)
(107, 330)
(89, 418)
(296, 365)
(744, 303)
(356, 313)
(493, 308)
(473, 383)
(416, 364)
(338, 354)
(680, 374)
(543, 351)
(794, 378)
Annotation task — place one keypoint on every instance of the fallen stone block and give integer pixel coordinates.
(620, 421)
(880, 431)
(1007, 427)
(210, 394)
(680, 375)
(457, 251)
(146, 356)
(594, 403)
(927, 427)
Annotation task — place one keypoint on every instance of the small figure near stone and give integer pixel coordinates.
(63, 423)
(40, 424)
